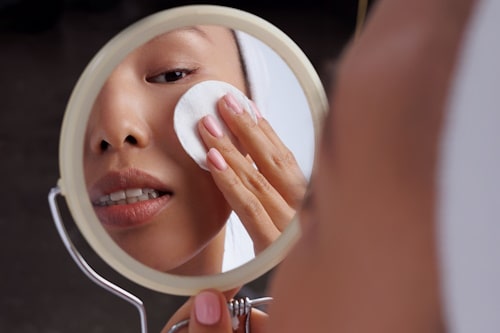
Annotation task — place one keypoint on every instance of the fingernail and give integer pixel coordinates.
(212, 126)
(233, 104)
(207, 308)
(256, 109)
(217, 159)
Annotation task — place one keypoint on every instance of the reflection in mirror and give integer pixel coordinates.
(153, 199)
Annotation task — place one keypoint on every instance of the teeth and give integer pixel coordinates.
(117, 196)
(127, 196)
(143, 197)
(132, 200)
(133, 192)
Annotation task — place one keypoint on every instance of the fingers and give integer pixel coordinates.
(240, 180)
(259, 321)
(207, 313)
(210, 313)
(250, 209)
(255, 171)
(274, 160)
(260, 207)
(181, 314)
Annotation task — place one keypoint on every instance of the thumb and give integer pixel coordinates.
(209, 313)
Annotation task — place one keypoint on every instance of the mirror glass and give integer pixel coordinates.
(152, 198)
(142, 194)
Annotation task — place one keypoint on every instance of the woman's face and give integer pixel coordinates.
(131, 151)
(366, 260)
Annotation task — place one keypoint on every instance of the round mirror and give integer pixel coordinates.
(139, 124)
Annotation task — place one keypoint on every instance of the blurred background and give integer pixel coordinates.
(44, 46)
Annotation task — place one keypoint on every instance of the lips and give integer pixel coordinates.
(128, 198)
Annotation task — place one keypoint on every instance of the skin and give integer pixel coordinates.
(367, 261)
(138, 99)
(131, 126)
(265, 198)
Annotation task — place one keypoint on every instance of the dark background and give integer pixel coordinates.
(44, 46)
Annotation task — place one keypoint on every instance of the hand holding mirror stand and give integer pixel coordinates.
(71, 184)
(237, 307)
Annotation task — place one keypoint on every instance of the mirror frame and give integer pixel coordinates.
(72, 183)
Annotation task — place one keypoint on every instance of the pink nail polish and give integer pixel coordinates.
(216, 159)
(207, 308)
(233, 104)
(212, 127)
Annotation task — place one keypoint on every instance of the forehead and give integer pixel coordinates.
(215, 35)
(200, 45)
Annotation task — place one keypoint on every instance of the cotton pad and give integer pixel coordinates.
(201, 100)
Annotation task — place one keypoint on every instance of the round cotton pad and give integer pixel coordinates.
(201, 100)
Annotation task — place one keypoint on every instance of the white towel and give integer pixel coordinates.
(469, 201)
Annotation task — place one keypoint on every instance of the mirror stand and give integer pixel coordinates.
(237, 307)
(85, 268)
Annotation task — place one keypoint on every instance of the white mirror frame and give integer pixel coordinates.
(72, 183)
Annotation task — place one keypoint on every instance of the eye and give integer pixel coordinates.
(170, 76)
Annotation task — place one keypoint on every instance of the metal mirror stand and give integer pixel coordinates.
(237, 307)
(82, 264)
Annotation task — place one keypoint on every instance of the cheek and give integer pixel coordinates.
(211, 206)
(162, 105)
(165, 137)
(90, 168)
(90, 159)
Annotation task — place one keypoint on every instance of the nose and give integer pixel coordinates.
(118, 119)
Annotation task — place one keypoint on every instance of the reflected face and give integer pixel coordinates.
(366, 260)
(151, 197)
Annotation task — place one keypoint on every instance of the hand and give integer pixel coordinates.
(208, 313)
(265, 198)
